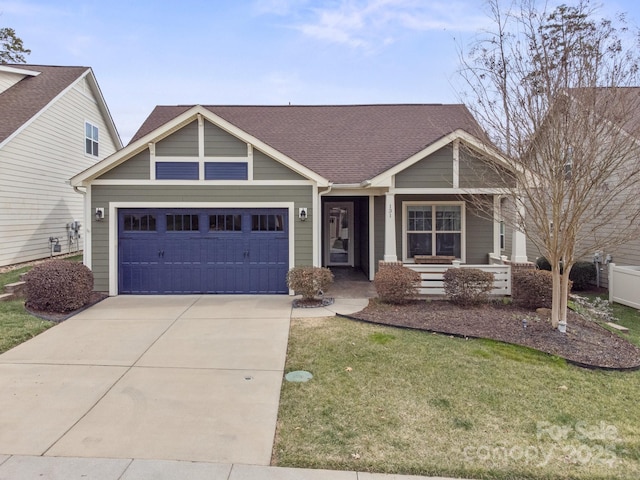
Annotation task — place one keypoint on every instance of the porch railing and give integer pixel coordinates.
(432, 282)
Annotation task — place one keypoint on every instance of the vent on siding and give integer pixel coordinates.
(177, 170)
(225, 171)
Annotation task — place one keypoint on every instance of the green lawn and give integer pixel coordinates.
(391, 400)
(16, 325)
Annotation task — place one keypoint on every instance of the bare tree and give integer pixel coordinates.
(11, 47)
(555, 92)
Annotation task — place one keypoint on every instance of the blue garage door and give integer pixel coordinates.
(169, 251)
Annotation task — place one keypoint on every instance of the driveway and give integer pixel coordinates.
(192, 378)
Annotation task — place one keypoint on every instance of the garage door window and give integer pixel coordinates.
(267, 223)
(225, 223)
(182, 223)
(139, 223)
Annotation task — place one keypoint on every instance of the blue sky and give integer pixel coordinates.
(146, 53)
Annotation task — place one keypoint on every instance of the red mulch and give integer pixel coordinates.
(585, 343)
(59, 317)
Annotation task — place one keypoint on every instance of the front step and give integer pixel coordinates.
(5, 297)
(16, 288)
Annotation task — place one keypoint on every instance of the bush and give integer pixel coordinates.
(467, 286)
(533, 288)
(58, 286)
(582, 274)
(396, 284)
(309, 281)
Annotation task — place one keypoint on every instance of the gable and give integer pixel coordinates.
(266, 168)
(137, 167)
(218, 143)
(182, 143)
(477, 173)
(433, 171)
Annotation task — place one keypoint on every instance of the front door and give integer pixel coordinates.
(338, 234)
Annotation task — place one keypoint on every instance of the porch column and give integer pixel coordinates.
(390, 252)
(519, 241)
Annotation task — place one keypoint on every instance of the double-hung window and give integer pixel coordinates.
(90, 139)
(433, 229)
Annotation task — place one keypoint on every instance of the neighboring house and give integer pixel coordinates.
(53, 123)
(226, 199)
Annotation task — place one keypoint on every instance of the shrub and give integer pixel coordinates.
(395, 283)
(533, 288)
(309, 281)
(467, 286)
(58, 286)
(582, 274)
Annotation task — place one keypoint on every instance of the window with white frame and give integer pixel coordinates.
(90, 139)
(433, 229)
(503, 243)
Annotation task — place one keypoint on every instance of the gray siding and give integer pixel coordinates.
(476, 173)
(136, 168)
(266, 168)
(219, 143)
(182, 143)
(434, 171)
(478, 233)
(172, 195)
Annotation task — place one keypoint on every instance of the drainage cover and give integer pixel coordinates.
(298, 376)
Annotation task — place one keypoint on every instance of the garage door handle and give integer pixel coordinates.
(246, 254)
(161, 253)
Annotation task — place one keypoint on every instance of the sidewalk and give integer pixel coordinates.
(68, 468)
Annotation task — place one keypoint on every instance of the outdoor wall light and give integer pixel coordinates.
(302, 214)
(99, 214)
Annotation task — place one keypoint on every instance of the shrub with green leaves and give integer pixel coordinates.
(395, 283)
(468, 286)
(533, 288)
(58, 286)
(582, 274)
(309, 281)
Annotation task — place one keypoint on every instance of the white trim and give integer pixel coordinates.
(113, 226)
(497, 215)
(390, 245)
(451, 191)
(19, 71)
(130, 150)
(191, 183)
(160, 158)
(357, 192)
(152, 163)
(249, 162)
(463, 231)
(88, 228)
(384, 178)
(372, 240)
(316, 228)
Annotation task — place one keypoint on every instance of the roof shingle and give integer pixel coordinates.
(30, 95)
(343, 143)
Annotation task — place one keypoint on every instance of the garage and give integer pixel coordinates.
(217, 250)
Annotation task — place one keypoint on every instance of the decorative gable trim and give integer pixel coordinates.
(85, 177)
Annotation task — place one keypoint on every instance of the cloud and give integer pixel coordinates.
(372, 24)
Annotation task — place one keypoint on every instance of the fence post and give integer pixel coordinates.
(610, 279)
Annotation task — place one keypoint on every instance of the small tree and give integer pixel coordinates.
(11, 47)
(551, 89)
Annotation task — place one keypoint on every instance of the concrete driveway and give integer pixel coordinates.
(193, 378)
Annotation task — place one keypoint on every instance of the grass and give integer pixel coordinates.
(397, 401)
(16, 325)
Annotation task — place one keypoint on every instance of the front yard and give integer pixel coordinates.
(386, 399)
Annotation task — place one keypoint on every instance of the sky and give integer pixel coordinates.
(258, 52)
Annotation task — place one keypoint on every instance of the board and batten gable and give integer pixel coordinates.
(36, 165)
(205, 196)
(137, 167)
(433, 171)
(218, 143)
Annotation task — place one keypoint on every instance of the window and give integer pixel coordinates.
(267, 223)
(225, 223)
(433, 230)
(139, 223)
(225, 171)
(182, 223)
(91, 139)
(177, 170)
(502, 236)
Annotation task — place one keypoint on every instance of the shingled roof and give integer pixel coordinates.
(342, 143)
(30, 95)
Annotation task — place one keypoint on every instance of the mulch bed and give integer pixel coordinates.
(59, 317)
(585, 343)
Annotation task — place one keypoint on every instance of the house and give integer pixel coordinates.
(226, 199)
(53, 123)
